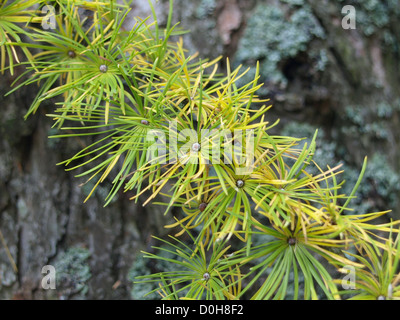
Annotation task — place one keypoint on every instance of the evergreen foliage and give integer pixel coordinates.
(123, 87)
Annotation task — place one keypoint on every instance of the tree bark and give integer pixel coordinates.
(345, 82)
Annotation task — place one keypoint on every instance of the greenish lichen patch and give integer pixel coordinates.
(321, 59)
(205, 8)
(73, 272)
(140, 290)
(373, 15)
(369, 121)
(385, 110)
(272, 36)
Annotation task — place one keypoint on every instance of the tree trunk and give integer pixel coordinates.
(317, 74)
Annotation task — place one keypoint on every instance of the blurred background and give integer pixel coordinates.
(318, 75)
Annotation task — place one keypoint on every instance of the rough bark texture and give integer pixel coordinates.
(318, 75)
